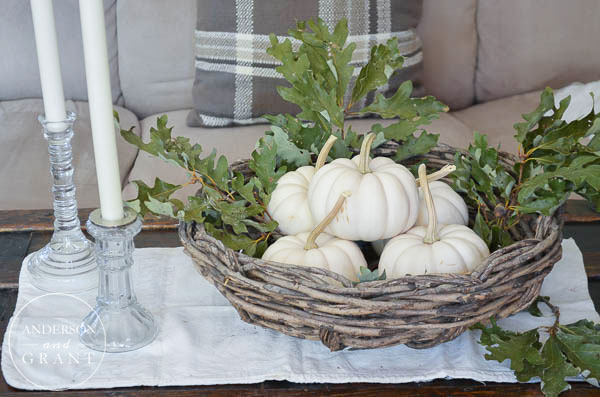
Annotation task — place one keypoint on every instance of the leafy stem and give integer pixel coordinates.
(551, 164)
(569, 350)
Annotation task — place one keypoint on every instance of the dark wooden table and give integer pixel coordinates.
(22, 232)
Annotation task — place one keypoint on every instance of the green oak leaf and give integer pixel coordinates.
(236, 242)
(384, 60)
(414, 146)
(161, 192)
(493, 329)
(220, 174)
(260, 226)
(246, 190)
(518, 348)
(158, 136)
(233, 214)
(326, 53)
(177, 151)
(161, 208)
(533, 118)
(317, 103)
(343, 68)
(580, 342)
(429, 106)
(195, 209)
(556, 368)
(134, 205)
(287, 151)
(585, 328)
(577, 174)
(529, 372)
(399, 105)
(302, 135)
(570, 350)
(398, 131)
(264, 165)
(292, 68)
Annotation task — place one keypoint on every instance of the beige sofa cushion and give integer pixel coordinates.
(156, 54)
(449, 37)
(525, 45)
(496, 118)
(238, 142)
(25, 180)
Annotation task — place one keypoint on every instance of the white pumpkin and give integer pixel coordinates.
(433, 249)
(384, 201)
(288, 205)
(449, 206)
(320, 250)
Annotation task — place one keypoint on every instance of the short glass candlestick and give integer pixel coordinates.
(68, 262)
(118, 323)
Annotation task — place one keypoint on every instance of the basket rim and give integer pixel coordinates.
(477, 276)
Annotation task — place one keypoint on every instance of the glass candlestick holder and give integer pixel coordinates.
(118, 323)
(68, 262)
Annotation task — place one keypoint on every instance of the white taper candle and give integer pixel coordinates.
(48, 61)
(101, 110)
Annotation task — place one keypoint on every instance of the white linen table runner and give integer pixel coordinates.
(202, 340)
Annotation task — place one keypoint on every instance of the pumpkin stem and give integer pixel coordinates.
(365, 149)
(431, 235)
(312, 237)
(445, 170)
(325, 152)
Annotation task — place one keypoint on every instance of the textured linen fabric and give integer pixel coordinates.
(156, 54)
(449, 36)
(19, 73)
(235, 78)
(25, 181)
(237, 143)
(525, 45)
(202, 341)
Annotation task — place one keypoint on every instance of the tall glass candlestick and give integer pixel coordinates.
(118, 323)
(67, 263)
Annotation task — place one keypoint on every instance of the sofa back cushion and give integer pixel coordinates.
(525, 45)
(156, 54)
(449, 36)
(19, 73)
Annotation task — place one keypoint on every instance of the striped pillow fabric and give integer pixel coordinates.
(236, 80)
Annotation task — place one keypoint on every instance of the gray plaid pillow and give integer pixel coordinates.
(235, 77)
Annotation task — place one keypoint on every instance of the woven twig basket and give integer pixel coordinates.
(419, 311)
